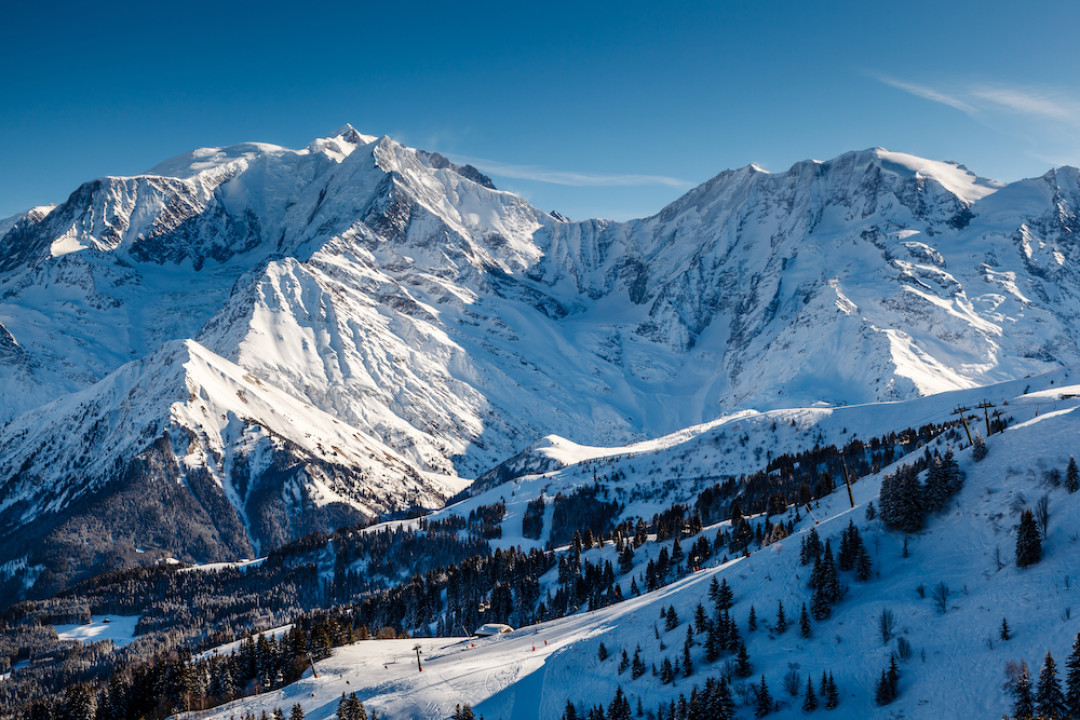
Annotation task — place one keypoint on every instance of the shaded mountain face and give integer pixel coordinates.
(261, 342)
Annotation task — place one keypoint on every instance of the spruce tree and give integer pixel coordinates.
(893, 676)
(356, 708)
(954, 479)
(935, 491)
(781, 620)
(619, 709)
(700, 618)
(883, 694)
(832, 695)
(1028, 542)
(1006, 632)
(688, 664)
(804, 623)
(819, 605)
(764, 702)
(1023, 702)
(637, 665)
(667, 672)
(751, 622)
(1049, 700)
(725, 598)
(810, 699)
(1072, 680)
(1072, 476)
(743, 668)
(863, 565)
(871, 513)
(297, 712)
(713, 645)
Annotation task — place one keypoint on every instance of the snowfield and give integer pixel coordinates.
(120, 629)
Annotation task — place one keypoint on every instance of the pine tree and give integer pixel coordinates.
(764, 703)
(743, 668)
(667, 672)
(863, 565)
(883, 694)
(1072, 476)
(819, 605)
(297, 712)
(725, 598)
(781, 620)
(1006, 633)
(1023, 702)
(624, 662)
(688, 664)
(602, 652)
(1028, 542)
(954, 479)
(846, 558)
(893, 676)
(637, 665)
(804, 623)
(619, 709)
(871, 513)
(810, 699)
(1072, 680)
(751, 622)
(570, 713)
(1049, 700)
(700, 618)
(935, 491)
(356, 709)
(713, 643)
(723, 704)
(832, 695)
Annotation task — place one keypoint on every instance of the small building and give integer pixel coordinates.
(492, 629)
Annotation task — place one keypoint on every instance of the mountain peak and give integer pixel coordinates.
(954, 177)
(351, 135)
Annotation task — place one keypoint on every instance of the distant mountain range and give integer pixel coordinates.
(247, 344)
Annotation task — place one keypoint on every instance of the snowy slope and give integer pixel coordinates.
(957, 662)
(188, 453)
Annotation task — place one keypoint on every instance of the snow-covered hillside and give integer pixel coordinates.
(953, 665)
(404, 298)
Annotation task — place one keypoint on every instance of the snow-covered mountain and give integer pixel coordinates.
(296, 337)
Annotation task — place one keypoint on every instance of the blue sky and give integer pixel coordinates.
(593, 109)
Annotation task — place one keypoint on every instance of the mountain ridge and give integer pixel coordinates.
(455, 324)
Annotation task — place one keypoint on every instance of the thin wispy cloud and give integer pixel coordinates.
(928, 93)
(1031, 102)
(570, 178)
(980, 99)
